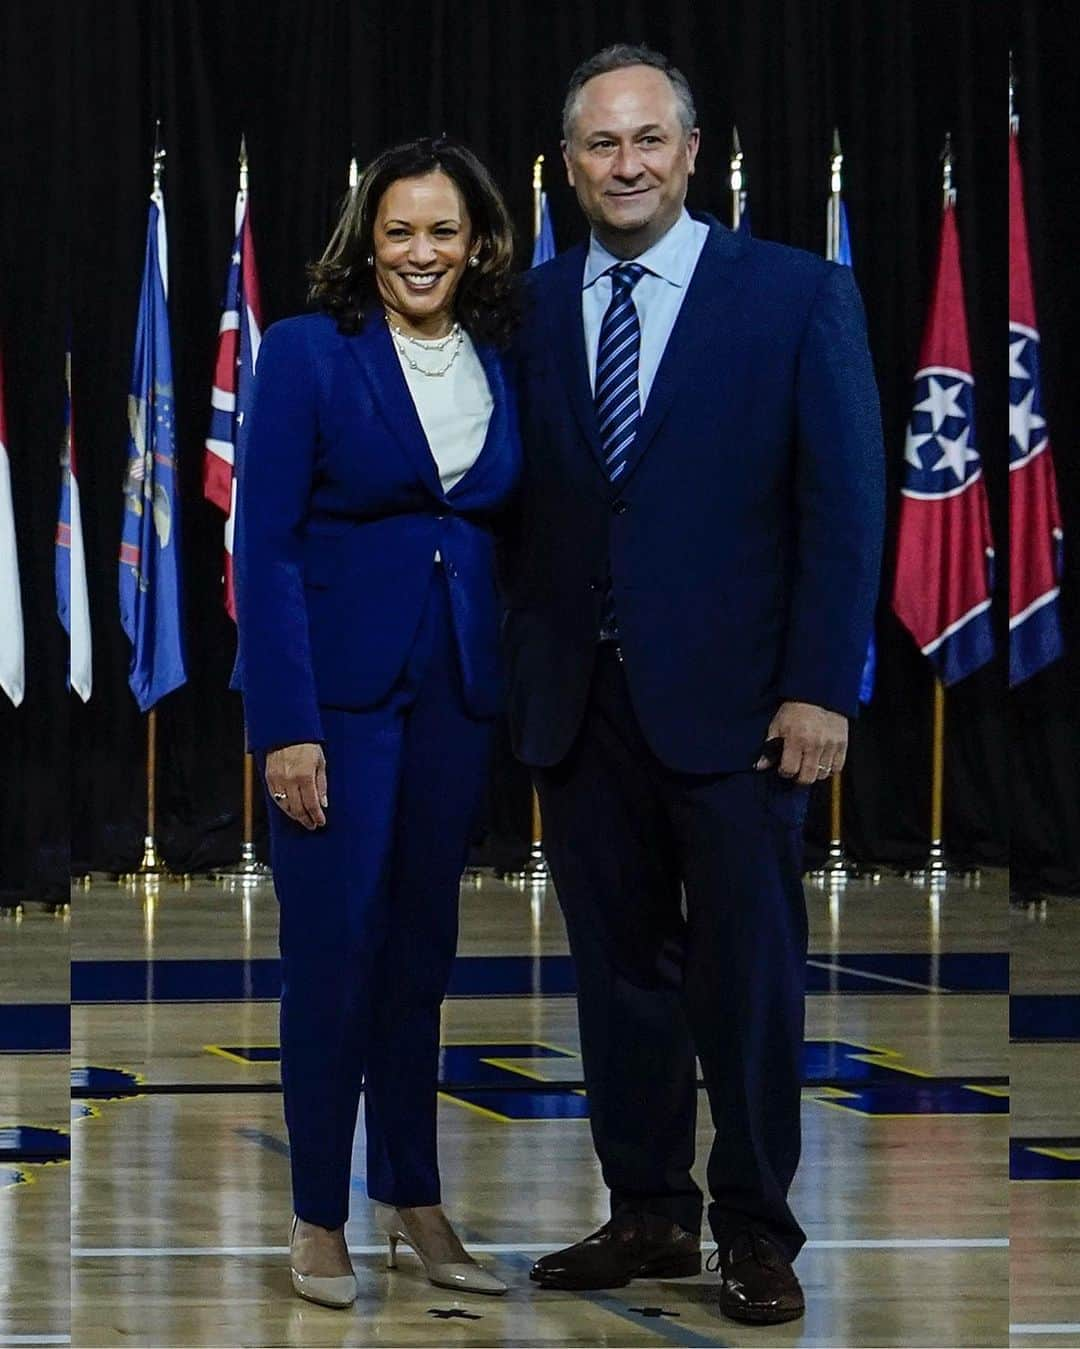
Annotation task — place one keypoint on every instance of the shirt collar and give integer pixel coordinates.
(670, 258)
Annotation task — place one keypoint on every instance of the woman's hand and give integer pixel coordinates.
(296, 776)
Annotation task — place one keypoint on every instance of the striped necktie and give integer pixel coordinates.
(618, 409)
(618, 406)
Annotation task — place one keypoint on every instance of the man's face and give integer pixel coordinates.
(628, 157)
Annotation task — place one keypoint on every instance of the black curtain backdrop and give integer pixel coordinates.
(35, 168)
(309, 84)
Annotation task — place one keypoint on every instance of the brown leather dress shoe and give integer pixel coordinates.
(633, 1245)
(757, 1283)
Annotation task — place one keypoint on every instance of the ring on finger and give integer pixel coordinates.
(280, 796)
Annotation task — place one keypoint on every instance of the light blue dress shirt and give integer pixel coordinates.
(658, 296)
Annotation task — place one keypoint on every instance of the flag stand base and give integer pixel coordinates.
(937, 874)
(151, 868)
(536, 868)
(838, 869)
(248, 871)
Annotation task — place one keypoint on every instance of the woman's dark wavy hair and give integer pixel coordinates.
(342, 282)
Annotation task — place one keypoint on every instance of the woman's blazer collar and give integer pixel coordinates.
(372, 348)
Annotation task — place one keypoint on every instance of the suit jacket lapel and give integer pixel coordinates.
(702, 318)
(566, 333)
(373, 350)
(497, 423)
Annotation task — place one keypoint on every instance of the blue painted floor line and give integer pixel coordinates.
(1045, 1016)
(898, 973)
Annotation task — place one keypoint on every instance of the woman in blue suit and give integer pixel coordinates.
(381, 449)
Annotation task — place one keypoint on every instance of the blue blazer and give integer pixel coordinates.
(340, 512)
(743, 541)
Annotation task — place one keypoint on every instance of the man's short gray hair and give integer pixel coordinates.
(619, 57)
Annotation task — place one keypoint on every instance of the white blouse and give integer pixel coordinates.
(454, 409)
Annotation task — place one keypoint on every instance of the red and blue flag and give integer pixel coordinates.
(944, 565)
(12, 652)
(239, 335)
(1035, 533)
(72, 599)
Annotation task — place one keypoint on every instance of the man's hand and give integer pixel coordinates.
(815, 742)
(296, 776)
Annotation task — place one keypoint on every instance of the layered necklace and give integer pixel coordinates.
(452, 342)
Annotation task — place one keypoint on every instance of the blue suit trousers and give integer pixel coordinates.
(368, 931)
(683, 902)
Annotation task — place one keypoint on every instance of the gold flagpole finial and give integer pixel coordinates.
(538, 195)
(243, 163)
(736, 179)
(836, 165)
(832, 208)
(159, 156)
(947, 189)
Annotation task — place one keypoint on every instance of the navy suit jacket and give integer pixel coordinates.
(743, 540)
(340, 513)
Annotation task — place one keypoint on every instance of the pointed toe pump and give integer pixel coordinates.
(338, 1290)
(446, 1262)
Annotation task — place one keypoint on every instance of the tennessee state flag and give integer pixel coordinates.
(944, 565)
(1035, 533)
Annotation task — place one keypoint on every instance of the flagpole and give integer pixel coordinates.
(151, 867)
(837, 868)
(936, 873)
(536, 868)
(249, 870)
(538, 194)
(736, 180)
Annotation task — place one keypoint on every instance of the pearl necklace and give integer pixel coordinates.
(454, 336)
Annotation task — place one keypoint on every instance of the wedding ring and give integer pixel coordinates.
(281, 796)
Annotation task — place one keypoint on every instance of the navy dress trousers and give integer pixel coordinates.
(354, 636)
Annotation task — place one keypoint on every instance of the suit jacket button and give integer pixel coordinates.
(620, 507)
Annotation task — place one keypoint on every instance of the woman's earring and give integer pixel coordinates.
(371, 259)
(474, 261)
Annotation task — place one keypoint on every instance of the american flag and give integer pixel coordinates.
(944, 566)
(1035, 533)
(239, 335)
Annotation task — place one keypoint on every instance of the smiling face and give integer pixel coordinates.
(422, 243)
(629, 157)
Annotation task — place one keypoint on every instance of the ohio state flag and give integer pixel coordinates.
(1035, 535)
(944, 565)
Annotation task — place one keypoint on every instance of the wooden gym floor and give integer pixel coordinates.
(179, 1197)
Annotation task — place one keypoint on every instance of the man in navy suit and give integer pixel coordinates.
(693, 576)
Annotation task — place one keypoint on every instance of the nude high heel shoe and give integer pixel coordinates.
(462, 1273)
(337, 1290)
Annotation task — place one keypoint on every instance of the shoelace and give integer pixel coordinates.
(754, 1244)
